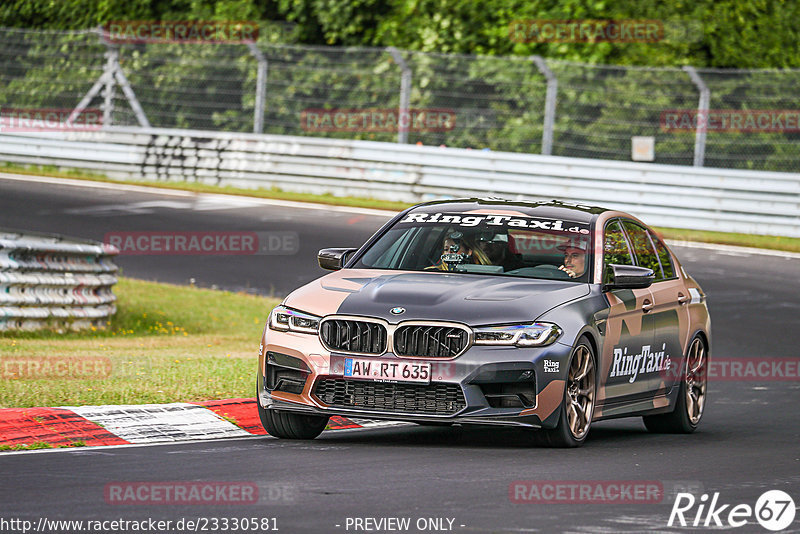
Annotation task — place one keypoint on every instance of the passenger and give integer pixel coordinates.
(457, 249)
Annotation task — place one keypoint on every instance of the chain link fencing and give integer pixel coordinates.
(514, 104)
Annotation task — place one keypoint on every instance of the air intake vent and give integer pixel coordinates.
(429, 341)
(432, 399)
(359, 337)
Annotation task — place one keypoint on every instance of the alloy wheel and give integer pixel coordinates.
(696, 381)
(580, 392)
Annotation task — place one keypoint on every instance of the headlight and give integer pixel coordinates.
(286, 319)
(518, 335)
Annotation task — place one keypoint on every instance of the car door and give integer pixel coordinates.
(629, 326)
(671, 299)
(655, 370)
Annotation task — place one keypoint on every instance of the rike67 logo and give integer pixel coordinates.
(774, 510)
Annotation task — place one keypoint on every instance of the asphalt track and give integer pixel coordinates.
(747, 443)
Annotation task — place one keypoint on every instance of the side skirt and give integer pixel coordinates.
(652, 406)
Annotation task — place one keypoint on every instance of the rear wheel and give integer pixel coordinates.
(579, 393)
(691, 397)
(291, 425)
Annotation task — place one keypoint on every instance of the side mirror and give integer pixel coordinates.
(629, 277)
(333, 259)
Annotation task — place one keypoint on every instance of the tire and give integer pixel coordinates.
(691, 395)
(579, 398)
(289, 425)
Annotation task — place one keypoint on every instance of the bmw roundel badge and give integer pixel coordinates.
(398, 310)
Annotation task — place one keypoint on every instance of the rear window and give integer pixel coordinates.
(664, 257)
(643, 248)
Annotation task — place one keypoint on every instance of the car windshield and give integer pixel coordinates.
(493, 244)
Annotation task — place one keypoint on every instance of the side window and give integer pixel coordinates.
(663, 256)
(643, 248)
(615, 249)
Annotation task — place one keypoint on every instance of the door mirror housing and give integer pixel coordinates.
(333, 259)
(629, 277)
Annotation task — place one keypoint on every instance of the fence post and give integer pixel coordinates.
(108, 92)
(111, 72)
(127, 90)
(702, 116)
(405, 95)
(549, 104)
(261, 88)
(105, 79)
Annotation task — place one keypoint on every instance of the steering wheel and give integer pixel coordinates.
(550, 271)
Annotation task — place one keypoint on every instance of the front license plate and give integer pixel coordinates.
(392, 371)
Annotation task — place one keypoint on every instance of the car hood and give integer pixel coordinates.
(466, 298)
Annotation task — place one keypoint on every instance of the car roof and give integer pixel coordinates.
(550, 208)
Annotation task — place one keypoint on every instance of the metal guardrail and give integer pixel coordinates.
(49, 281)
(727, 200)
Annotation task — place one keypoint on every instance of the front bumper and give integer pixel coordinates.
(486, 385)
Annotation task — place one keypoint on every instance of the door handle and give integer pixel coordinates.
(647, 305)
(682, 299)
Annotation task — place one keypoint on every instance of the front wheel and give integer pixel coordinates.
(579, 393)
(291, 425)
(691, 397)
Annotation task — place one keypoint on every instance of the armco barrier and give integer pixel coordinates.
(49, 281)
(664, 195)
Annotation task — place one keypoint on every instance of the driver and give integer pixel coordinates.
(574, 258)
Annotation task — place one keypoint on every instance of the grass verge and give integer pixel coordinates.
(39, 445)
(165, 344)
(789, 244)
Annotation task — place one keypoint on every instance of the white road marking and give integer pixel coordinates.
(132, 208)
(150, 423)
(140, 208)
(208, 203)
